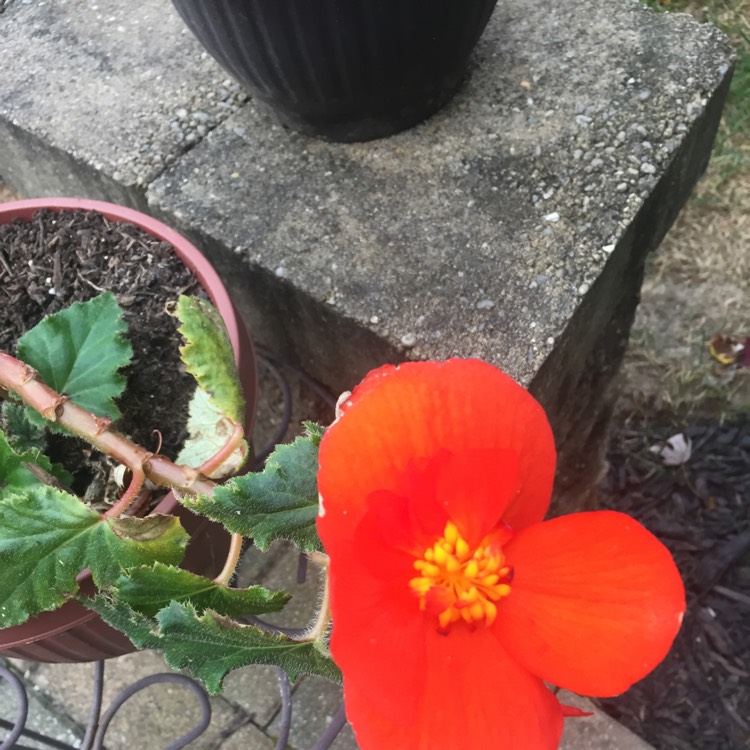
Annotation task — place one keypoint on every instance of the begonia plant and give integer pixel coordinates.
(66, 382)
(450, 605)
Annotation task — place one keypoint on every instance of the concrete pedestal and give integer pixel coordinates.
(512, 226)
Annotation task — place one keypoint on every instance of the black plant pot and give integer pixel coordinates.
(343, 70)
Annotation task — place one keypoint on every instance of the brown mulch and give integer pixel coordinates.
(699, 697)
(61, 258)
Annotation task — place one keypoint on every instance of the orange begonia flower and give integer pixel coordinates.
(452, 601)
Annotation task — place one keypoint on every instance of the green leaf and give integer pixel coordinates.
(281, 502)
(209, 430)
(218, 404)
(140, 629)
(79, 351)
(149, 589)
(208, 356)
(47, 537)
(22, 433)
(15, 474)
(211, 646)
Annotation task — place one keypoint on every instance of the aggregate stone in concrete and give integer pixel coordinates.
(97, 98)
(512, 226)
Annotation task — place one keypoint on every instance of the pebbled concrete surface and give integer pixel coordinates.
(480, 231)
(105, 98)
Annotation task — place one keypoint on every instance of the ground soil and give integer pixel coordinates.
(61, 258)
(699, 697)
(697, 284)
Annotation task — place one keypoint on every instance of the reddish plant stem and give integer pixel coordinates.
(235, 440)
(233, 558)
(130, 495)
(17, 377)
(141, 501)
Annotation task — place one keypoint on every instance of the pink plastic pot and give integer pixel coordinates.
(74, 633)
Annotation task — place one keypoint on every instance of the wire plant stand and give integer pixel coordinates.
(99, 722)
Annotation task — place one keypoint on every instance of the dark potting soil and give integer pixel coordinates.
(65, 257)
(699, 697)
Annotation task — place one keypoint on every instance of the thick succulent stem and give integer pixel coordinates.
(17, 377)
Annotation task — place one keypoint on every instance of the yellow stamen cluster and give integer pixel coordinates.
(463, 583)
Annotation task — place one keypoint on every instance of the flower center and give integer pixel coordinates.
(457, 583)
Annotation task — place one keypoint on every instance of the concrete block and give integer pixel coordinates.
(512, 226)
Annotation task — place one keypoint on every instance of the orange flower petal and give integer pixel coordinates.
(378, 630)
(418, 411)
(595, 604)
(475, 696)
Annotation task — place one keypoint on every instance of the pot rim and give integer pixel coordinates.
(186, 250)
